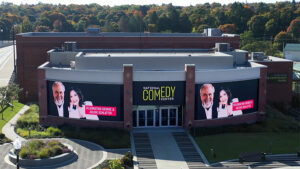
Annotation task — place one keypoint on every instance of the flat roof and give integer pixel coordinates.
(292, 47)
(109, 34)
(273, 59)
(216, 54)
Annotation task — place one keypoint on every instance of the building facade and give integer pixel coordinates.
(32, 49)
(151, 88)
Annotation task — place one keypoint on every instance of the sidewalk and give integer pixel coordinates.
(9, 128)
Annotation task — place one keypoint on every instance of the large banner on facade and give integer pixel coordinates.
(222, 100)
(85, 101)
(159, 93)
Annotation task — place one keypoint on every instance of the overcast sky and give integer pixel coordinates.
(138, 2)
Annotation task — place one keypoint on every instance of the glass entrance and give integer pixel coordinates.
(146, 116)
(169, 116)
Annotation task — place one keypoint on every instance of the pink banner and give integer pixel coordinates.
(248, 104)
(101, 110)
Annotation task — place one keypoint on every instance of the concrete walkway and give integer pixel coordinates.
(9, 128)
(166, 152)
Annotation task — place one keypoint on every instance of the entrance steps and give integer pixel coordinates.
(158, 129)
(188, 150)
(144, 153)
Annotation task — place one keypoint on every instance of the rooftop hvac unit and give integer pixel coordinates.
(222, 47)
(93, 30)
(70, 46)
(260, 56)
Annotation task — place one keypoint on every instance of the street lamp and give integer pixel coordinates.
(13, 38)
(17, 146)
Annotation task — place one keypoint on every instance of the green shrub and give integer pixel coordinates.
(39, 149)
(44, 153)
(30, 119)
(35, 144)
(127, 159)
(56, 150)
(53, 143)
(26, 152)
(115, 164)
(54, 131)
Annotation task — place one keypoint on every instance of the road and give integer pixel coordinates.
(6, 65)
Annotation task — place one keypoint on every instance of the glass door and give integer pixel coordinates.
(164, 116)
(168, 116)
(173, 117)
(150, 118)
(141, 118)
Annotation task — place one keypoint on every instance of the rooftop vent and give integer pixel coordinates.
(222, 47)
(70, 46)
(260, 56)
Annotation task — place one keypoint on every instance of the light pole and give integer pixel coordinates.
(17, 146)
(13, 37)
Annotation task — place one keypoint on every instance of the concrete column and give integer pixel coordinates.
(42, 95)
(189, 115)
(127, 80)
(262, 95)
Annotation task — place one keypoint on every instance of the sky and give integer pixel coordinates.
(137, 2)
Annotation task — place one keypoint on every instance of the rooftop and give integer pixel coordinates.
(156, 55)
(292, 47)
(109, 34)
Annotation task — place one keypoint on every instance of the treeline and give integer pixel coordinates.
(276, 22)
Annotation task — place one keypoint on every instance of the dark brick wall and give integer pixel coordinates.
(42, 85)
(279, 92)
(190, 96)
(32, 52)
(247, 118)
(127, 76)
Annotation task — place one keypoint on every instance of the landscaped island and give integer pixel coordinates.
(38, 153)
(39, 149)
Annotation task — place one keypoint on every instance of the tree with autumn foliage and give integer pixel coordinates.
(228, 28)
(294, 28)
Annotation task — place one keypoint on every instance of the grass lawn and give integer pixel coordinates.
(229, 145)
(277, 134)
(9, 114)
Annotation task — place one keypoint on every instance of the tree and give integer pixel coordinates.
(12, 93)
(246, 38)
(294, 28)
(26, 26)
(123, 24)
(282, 38)
(3, 101)
(272, 27)
(57, 26)
(80, 26)
(262, 46)
(238, 14)
(42, 29)
(256, 25)
(228, 28)
(185, 24)
(219, 15)
(8, 95)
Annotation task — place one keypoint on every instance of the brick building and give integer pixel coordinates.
(32, 49)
